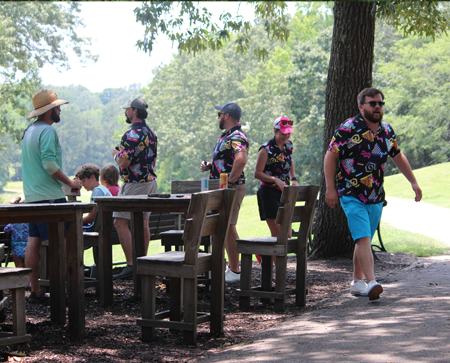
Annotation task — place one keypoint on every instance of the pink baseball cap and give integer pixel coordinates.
(284, 125)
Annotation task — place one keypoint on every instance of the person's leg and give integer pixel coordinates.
(124, 234)
(146, 235)
(231, 247)
(273, 227)
(273, 233)
(18, 262)
(231, 244)
(32, 261)
(363, 260)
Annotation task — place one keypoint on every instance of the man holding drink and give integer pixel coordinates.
(230, 157)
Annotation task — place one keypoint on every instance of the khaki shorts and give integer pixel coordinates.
(238, 198)
(135, 189)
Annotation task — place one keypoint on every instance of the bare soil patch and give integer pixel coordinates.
(113, 336)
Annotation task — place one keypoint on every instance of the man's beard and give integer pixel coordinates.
(128, 120)
(374, 120)
(221, 123)
(55, 117)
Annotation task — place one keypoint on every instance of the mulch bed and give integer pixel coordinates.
(113, 336)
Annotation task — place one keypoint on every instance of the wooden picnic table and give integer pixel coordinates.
(55, 215)
(137, 205)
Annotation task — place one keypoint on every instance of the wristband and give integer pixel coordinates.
(294, 179)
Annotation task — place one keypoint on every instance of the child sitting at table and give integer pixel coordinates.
(19, 237)
(109, 177)
(89, 176)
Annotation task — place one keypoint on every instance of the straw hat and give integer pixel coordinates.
(43, 101)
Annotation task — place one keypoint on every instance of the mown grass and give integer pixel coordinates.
(432, 181)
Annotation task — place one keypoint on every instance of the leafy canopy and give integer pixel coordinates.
(33, 34)
(195, 31)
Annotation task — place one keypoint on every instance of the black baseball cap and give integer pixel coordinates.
(231, 108)
(136, 103)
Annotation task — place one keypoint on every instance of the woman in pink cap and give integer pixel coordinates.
(275, 169)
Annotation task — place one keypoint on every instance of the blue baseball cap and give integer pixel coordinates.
(231, 108)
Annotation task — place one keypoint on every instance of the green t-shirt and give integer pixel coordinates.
(40, 146)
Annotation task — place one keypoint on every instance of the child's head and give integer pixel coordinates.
(109, 175)
(88, 175)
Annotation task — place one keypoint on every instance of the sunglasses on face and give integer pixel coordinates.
(374, 103)
(286, 122)
(221, 113)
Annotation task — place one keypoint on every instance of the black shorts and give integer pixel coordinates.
(268, 202)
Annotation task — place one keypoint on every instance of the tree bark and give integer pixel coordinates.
(349, 72)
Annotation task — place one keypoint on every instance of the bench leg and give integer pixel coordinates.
(266, 275)
(19, 320)
(148, 306)
(280, 284)
(176, 299)
(190, 310)
(246, 280)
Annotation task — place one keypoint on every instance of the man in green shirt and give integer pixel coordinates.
(42, 175)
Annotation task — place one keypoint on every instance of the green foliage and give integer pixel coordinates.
(33, 34)
(421, 18)
(417, 92)
(202, 32)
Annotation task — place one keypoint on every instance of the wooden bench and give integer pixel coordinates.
(174, 238)
(280, 246)
(184, 267)
(15, 279)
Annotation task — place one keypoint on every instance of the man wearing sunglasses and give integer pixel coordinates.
(361, 145)
(230, 156)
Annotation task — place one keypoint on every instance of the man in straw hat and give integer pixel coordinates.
(42, 174)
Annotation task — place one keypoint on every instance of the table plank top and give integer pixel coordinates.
(45, 206)
(181, 198)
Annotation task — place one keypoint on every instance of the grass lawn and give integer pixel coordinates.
(431, 180)
(395, 240)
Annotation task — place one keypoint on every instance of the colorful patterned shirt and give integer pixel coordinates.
(230, 143)
(278, 161)
(139, 145)
(362, 158)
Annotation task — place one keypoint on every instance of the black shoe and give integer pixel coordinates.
(34, 299)
(126, 273)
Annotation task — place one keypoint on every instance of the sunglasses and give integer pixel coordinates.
(286, 122)
(374, 103)
(221, 113)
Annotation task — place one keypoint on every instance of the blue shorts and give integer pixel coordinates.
(363, 219)
(41, 229)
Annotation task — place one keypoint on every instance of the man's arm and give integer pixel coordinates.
(402, 164)
(123, 163)
(240, 160)
(329, 168)
(59, 175)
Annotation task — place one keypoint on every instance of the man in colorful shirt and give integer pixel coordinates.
(362, 145)
(137, 159)
(230, 156)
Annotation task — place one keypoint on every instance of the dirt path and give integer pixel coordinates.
(410, 323)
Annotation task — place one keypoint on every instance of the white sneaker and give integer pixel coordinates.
(358, 288)
(374, 290)
(231, 277)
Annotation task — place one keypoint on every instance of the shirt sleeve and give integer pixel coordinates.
(127, 146)
(48, 139)
(393, 148)
(239, 142)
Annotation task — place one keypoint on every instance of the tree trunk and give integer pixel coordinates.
(349, 72)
